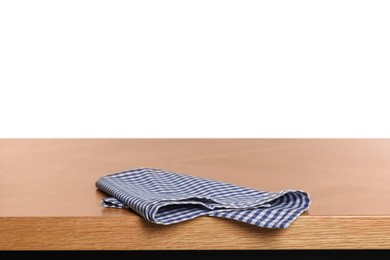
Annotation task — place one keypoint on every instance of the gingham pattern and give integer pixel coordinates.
(165, 197)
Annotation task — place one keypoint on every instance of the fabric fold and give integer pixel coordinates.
(165, 197)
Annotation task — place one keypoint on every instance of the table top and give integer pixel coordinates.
(54, 180)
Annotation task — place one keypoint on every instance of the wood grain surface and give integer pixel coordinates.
(48, 198)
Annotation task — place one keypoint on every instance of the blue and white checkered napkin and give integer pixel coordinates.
(165, 197)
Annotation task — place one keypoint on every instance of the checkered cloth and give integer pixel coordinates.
(165, 197)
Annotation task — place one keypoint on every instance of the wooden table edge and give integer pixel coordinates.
(203, 233)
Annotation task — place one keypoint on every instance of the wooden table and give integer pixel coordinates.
(48, 198)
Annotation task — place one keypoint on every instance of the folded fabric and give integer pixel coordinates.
(165, 197)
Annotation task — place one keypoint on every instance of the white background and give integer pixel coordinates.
(199, 68)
